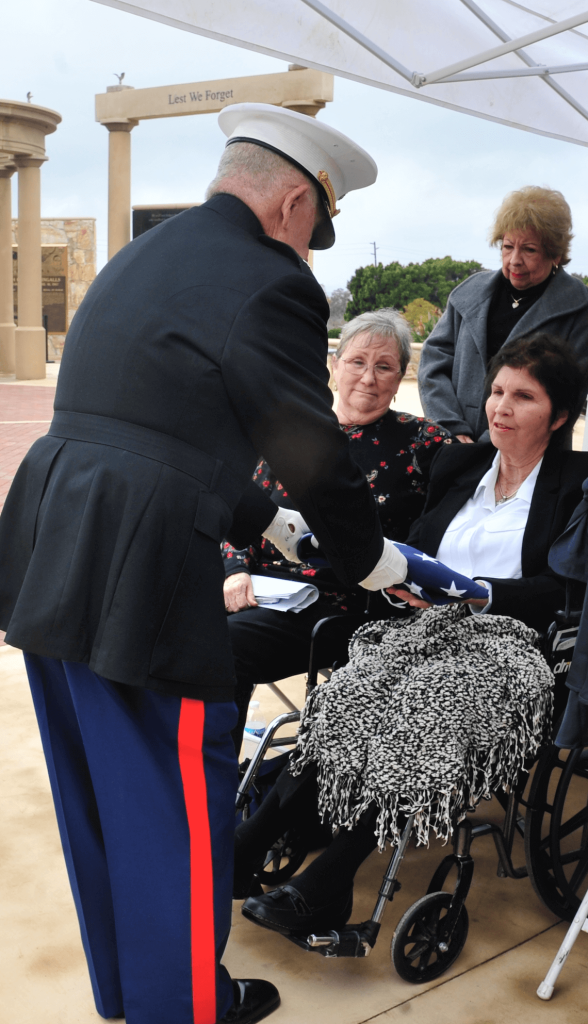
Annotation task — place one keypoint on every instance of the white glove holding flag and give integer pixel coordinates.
(390, 570)
(284, 532)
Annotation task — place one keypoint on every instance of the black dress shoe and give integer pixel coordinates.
(254, 1000)
(286, 911)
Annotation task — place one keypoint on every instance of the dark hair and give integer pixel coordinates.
(553, 363)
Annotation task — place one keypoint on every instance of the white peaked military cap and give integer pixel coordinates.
(335, 163)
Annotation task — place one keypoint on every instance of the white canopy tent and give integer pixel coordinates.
(521, 64)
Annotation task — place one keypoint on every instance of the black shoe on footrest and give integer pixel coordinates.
(286, 911)
(254, 1000)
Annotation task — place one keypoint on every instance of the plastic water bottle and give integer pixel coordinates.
(255, 727)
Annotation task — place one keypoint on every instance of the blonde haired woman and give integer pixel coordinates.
(532, 291)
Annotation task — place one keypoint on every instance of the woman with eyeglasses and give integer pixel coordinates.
(395, 451)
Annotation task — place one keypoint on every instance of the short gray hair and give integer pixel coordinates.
(265, 171)
(381, 323)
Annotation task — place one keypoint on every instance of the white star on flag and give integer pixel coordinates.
(416, 590)
(426, 558)
(452, 591)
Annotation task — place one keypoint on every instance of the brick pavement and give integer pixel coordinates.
(25, 414)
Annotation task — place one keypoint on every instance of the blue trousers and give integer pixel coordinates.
(144, 789)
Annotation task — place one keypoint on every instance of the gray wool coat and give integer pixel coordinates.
(453, 361)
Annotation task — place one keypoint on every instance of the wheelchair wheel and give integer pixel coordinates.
(556, 829)
(283, 859)
(420, 948)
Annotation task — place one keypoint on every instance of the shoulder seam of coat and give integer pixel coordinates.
(253, 295)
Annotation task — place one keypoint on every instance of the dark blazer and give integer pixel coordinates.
(455, 474)
(199, 348)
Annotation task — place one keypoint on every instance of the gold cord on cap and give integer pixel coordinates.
(325, 181)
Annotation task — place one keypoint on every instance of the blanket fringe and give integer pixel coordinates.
(343, 798)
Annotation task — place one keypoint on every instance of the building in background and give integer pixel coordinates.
(68, 269)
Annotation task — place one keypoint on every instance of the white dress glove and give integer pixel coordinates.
(390, 570)
(284, 532)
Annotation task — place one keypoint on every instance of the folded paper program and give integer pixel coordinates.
(283, 595)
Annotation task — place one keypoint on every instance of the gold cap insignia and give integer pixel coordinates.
(325, 181)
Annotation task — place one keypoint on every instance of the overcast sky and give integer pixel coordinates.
(441, 174)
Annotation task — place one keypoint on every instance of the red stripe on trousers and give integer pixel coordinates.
(190, 734)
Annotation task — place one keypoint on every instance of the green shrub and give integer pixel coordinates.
(395, 285)
(422, 317)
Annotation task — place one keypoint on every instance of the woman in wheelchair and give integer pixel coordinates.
(394, 450)
(492, 513)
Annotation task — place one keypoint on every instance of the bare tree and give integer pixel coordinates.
(338, 302)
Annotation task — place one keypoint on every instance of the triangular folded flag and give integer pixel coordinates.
(427, 578)
(435, 582)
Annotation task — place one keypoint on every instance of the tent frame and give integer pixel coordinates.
(451, 73)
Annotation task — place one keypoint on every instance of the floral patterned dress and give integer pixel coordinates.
(395, 453)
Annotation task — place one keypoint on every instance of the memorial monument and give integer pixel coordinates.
(121, 108)
(147, 217)
(68, 267)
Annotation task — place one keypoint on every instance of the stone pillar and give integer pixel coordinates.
(30, 334)
(6, 288)
(119, 183)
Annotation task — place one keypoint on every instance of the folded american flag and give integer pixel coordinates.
(435, 582)
(427, 578)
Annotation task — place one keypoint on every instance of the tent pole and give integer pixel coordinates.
(499, 51)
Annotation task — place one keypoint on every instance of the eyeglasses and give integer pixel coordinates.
(357, 368)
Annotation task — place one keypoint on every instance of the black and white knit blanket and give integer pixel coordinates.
(430, 715)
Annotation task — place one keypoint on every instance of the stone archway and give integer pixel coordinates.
(121, 108)
(23, 127)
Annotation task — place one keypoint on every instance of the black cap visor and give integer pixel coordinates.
(323, 234)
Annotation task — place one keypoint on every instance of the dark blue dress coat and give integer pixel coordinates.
(199, 348)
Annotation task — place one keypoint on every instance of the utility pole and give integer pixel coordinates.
(375, 247)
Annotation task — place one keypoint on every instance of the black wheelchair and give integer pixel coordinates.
(548, 808)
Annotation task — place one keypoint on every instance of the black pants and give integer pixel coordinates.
(269, 645)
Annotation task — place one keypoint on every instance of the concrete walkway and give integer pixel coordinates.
(43, 978)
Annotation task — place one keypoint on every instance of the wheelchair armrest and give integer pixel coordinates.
(566, 619)
(558, 647)
(329, 643)
(575, 594)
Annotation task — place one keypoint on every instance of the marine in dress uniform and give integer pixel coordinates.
(198, 349)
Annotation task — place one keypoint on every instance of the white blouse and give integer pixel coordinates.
(485, 539)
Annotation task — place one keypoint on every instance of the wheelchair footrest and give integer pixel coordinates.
(352, 941)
